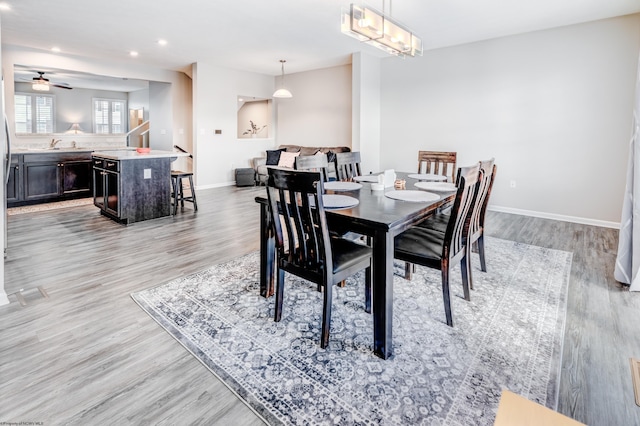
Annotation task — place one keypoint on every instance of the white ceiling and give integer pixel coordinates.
(252, 35)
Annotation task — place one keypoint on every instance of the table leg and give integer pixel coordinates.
(267, 253)
(382, 294)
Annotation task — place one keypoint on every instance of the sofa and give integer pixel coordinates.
(260, 164)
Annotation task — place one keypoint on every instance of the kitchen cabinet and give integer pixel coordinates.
(45, 177)
(14, 181)
(129, 187)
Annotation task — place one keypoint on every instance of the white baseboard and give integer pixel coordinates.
(4, 300)
(564, 218)
(216, 185)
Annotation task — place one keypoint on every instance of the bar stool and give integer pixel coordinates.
(178, 191)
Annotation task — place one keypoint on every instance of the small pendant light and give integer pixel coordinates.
(282, 92)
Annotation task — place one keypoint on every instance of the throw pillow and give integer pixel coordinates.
(288, 159)
(274, 156)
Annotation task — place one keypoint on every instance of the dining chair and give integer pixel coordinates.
(304, 246)
(314, 163)
(348, 165)
(437, 250)
(439, 221)
(439, 163)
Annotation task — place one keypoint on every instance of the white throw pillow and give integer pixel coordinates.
(288, 159)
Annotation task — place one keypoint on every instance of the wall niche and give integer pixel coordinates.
(254, 118)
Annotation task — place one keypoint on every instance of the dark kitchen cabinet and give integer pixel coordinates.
(14, 181)
(133, 189)
(45, 177)
(106, 184)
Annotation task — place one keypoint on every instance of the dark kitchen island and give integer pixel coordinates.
(131, 187)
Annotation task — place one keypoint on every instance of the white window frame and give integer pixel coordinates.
(35, 112)
(124, 116)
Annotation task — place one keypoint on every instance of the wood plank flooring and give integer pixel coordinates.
(89, 355)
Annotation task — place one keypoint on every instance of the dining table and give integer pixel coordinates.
(378, 217)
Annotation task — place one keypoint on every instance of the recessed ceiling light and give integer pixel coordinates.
(5, 6)
(162, 42)
(133, 53)
(240, 100)
(55, 49)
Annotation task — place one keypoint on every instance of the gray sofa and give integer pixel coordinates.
(260, 163)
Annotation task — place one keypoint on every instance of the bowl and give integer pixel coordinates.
(377, 186)
(143, 150)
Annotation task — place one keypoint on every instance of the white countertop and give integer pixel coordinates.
(67, 150)
(134, 155)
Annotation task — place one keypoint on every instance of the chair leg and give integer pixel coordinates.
(181, 194)
(193, 194)
(408, 271)
(174, 184)
(367, 288)
(326, 316)
(279, 294)
(446, 295)
(483, 263)
(465, 268)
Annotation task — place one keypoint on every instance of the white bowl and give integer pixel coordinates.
(377, 186)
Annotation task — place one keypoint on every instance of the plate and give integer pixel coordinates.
(337, 201)
(436, 186)
(342, 186)
(427, 176)
(413, 196)
(366, 178)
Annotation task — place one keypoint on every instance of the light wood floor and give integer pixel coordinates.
(88, 355)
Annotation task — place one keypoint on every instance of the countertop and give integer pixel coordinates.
(134, 155)
(68, 150)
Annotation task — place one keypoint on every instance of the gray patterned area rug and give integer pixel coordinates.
(509, 336)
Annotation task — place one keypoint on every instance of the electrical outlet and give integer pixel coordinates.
(512, 184)
(147, 173)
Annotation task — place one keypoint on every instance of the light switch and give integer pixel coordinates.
(163, 131)
(147, 173)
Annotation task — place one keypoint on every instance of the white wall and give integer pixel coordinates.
(160, 116)
(140, 100)
(215, 101)
(319, 114)
(554, 108)
(366, 110)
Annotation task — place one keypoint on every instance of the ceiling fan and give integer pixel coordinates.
(42, 84)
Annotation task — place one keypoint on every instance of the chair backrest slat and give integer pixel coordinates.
(295, 200)
(484, 189)
(455, 235)
(438, 162)
(314, 163)
(348, 165)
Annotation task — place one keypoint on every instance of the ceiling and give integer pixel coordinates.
(253, 35)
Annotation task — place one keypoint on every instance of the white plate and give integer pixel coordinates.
(427, 176)
(436, 186)
(366, 178)
(342, 186)
(412, 195)
(337, 201)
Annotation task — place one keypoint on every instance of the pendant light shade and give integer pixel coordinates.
(282, 92)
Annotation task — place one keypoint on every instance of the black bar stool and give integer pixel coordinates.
(178, 191)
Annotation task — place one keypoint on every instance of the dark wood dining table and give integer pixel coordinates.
(378, 217)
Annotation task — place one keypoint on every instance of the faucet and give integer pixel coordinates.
(54, 142)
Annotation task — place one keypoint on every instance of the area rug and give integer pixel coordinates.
(509, 336)
(12, 211)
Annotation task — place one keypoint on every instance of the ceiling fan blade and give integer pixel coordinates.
(61, 86)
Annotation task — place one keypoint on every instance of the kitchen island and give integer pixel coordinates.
(131, 187)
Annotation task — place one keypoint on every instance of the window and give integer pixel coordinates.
(34, 113)
(109, 116)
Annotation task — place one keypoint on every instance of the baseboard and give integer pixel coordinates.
(216, 185)
(564, 218)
